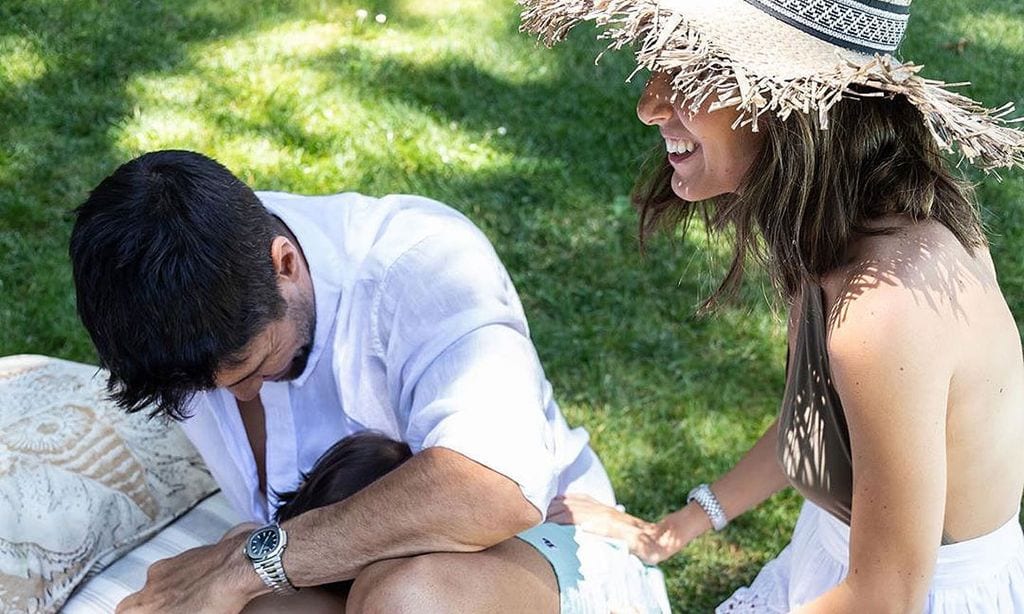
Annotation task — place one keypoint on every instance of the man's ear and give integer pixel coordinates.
(285, 256)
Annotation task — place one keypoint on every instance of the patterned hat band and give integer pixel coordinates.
(781, 57)
(865, 26)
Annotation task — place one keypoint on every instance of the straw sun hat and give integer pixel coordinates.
(781, 56)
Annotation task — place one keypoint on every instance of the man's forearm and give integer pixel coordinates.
(438, 501)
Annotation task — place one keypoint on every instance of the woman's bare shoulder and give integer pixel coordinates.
(907, 293)
(920, 266)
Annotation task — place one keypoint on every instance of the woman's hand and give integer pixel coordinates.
(646, 540)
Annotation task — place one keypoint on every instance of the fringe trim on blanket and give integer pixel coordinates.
(664, 41)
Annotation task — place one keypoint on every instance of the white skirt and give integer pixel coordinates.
(980, 575)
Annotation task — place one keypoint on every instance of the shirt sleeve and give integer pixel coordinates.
(460, 364)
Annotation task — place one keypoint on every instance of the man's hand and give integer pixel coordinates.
(215, 578)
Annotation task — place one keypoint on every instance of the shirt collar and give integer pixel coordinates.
(325, 270)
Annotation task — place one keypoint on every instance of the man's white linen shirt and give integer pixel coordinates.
(419, 335)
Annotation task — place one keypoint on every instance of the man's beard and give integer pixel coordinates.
(305, 328)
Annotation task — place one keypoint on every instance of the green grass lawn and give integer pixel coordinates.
(448, 100)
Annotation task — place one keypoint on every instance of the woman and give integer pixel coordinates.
(789, 124)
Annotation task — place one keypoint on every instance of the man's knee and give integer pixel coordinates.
(417, 584)
(509, 577)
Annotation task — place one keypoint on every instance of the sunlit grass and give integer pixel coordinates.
(278, 96)
(20, 61)
(448, 100)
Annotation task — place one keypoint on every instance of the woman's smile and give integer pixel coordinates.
(709, 157)
(680, 149)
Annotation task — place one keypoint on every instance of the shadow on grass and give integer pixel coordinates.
(670, 399)
(594, 319)
(62, 91)
(600, 313)
(615, 332)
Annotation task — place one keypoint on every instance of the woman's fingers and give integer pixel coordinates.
(563, 513)
(568, 504)
(595, 517)
(558, 514)
(578, 499)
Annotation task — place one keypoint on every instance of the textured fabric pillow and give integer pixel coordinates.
(81, 482)
(205, 524)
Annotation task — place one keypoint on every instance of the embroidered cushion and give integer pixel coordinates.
(81, 482)
(204, 524)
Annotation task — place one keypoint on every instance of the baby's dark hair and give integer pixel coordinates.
(347, 467)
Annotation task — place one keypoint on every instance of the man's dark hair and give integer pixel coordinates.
(347, 467)
(173, 276)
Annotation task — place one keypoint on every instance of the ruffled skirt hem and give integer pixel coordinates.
(979, 576)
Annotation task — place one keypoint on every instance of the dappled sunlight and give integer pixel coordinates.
(934, 269)
(21, 62)
(422, 46)
(180, 91)
(436, 10)
(279, 46)
(447, 99)
(163, 128)
(271, 102)
(813, 452)
(258, 158)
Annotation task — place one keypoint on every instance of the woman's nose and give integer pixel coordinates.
(655, 105)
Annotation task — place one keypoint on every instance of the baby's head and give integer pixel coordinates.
(343, 470)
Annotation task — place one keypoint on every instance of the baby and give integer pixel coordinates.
(343, 470)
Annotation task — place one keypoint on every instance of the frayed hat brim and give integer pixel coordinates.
(704, 71)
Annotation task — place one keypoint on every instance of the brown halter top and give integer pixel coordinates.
(814, 441)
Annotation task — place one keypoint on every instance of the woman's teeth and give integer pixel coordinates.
(679, 146)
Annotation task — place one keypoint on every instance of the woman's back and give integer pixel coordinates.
(921, 271)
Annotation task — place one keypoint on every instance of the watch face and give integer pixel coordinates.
(262, 543)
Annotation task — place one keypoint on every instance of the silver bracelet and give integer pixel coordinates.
(707, 500)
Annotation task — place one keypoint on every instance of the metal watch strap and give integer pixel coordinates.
(272, 573)
(271, 569)
(707, 500)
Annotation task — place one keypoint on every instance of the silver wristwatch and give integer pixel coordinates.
(264, 549)
(705, 498)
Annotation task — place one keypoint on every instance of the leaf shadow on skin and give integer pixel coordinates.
(932, 266)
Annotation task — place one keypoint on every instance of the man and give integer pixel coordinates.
(273, 325)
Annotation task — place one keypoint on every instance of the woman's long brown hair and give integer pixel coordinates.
(811, 190)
